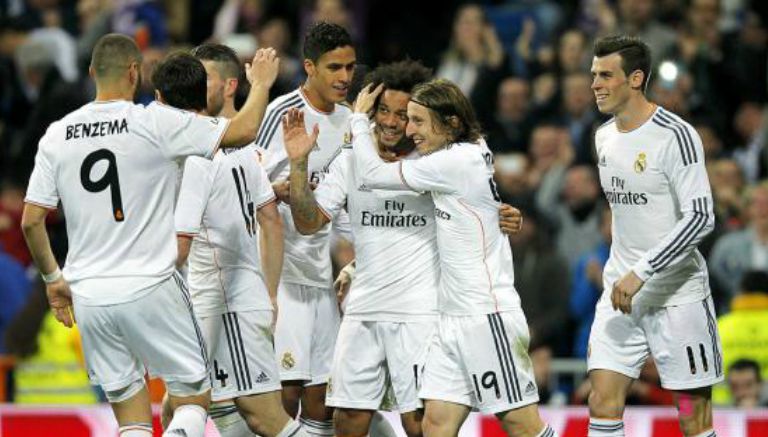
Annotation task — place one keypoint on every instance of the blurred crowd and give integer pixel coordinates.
(525, 65)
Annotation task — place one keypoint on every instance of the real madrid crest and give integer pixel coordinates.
(348, 138)
(640, 163)
(288, 362)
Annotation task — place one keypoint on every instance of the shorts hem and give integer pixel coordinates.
(626, 371)
(444, 398)
(354, 405)
(185, 379)
(496, 409)
(219, 397)
(690, 385)
(318, 380)
(410, 407)
(295, 376)
(118, 385)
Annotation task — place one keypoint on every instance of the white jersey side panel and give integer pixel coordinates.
(656, 184)
(475, 257)
(397, 264)
(307, 257)
(113, 167)
(217, 206)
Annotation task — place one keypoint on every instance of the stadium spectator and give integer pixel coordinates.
(11, 206)
(744, 331)
(637, 18)
(750, 124)
(509, 129)
(745, 384)
(550, 153)
(587, 285)
(14, 290)
(578, 115)
(15, 32)
(737, 252)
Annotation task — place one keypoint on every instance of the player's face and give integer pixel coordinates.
(331, 75)
(215, 85)
(422, 130)
(609, 83)
(391, 117)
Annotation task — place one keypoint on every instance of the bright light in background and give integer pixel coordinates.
(668, 71)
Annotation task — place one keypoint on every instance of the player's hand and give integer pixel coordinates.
(60, 300)
(343, 282)
(282, 191)
(298, 143)
(264, 68)
(367, 98)
(624, 290)
(510, 219)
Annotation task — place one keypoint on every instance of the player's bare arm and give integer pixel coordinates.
(271, 247)
(307, 215)
(56, 287)
(261, 73)
(183, 245)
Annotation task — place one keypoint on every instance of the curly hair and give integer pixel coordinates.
(399, 76)
(322, 37)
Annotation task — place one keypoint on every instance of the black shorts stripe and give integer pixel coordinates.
(686, 131)
(501, 358)
(218, 412)
(198, 333)
(712, 325)
(505, 341)
(272, 120)
(697, 222)
(242, 351)
(231, 347)
(240, 363)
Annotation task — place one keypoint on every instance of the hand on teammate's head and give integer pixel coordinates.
(264, 68)
(367, 98)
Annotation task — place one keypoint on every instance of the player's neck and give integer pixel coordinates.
(635, 113)
(113, 90)
(315, 99)
(228, 110)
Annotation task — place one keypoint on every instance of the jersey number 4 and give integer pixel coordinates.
(109, 179)
(246, 204)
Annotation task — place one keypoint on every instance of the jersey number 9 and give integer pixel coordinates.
(110, 179)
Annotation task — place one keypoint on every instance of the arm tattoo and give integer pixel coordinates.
(304, 207)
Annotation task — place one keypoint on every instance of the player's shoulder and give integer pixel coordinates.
(270, 126)
(285, 101)
(670, 128)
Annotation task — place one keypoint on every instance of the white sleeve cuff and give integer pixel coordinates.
(643, 270)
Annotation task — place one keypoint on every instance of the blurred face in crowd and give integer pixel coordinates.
(637, 12)
(610, 85)
(580, 186)
(545, 143)
(513, 99)
(425, 133)
(331, 75)
(748, 120)
(577, 97)
(391, 117)
(468, 25)
(703, 14)
(745, 387)
(726, 174)
(571, 50)
(710, 141)
(275, 34)
(758, 207)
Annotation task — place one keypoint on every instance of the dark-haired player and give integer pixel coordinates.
(656, 299)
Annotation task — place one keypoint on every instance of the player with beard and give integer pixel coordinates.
(308, 320)
(391, 311)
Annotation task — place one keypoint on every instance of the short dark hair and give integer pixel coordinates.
(754, 281)
(182, 82)
(223, 55)
(322, 37)
(113, 54)
(445, 100)
(399, 76)
(746, 364)
(635, 54)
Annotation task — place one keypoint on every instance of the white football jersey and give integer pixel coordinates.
(113, 165)
(397, 265)
(217, 207)
(476, 271)
(307, 257)
(656, 184)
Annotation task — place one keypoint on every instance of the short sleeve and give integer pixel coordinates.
(195, 189)
(42, 189)
(184, 133)
(265, 193)
(331, 194)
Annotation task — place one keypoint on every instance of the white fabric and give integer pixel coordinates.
(482, 362)
(476, 267)
(305, 335)
(307, 259)
(188, 420)
(121, 239)
(683, 341)
(242, 353)
(218, 203)
(382, 351)
(157, 333)
(396, 226)
(656, 183)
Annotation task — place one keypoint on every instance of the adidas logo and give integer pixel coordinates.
(530, 388)
(262, 378)
(363, 188)
(179, 432)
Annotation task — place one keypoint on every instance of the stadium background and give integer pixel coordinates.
(525, 66)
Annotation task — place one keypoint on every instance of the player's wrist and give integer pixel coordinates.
(53, 276)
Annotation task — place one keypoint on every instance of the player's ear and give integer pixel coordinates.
(231, 88)
(159, 97)
(636, 79)
(309, 67)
